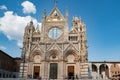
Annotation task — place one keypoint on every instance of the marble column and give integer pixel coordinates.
(98, 71)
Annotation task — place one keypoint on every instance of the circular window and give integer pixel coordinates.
(54, 33)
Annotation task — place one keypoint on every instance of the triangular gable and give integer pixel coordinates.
(54, 46)
(36, 32)
(37, 48)
(55, 15)
(70, 46)
(73, 31)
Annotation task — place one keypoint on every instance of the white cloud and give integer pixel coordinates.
(3, 7)
(2, 48)
(13, 26)
(28, 7)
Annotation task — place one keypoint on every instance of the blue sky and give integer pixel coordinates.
(102, 19)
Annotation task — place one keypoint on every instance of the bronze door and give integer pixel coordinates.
(53, 71)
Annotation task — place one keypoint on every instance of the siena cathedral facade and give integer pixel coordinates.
(57, 53)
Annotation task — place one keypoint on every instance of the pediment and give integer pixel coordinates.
(55, 15)
(71, 47)
(36, 47)
(73, 31)
(36, 32)
(54, 46)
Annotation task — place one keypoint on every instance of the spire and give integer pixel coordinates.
(31, 22)
(67, 13)
(36, 32)
(55, 3)
(37, 28)
(44, 15)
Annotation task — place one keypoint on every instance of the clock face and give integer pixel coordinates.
(54, 33)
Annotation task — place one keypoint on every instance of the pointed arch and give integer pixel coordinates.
(54, 46)
(71, 55)
(34, 54)
(71, 47)
(36, 47)
(53, 55)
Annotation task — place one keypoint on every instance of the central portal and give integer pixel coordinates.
(71, 72)
(53, 71)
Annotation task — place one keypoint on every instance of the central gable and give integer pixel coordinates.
(55, 15)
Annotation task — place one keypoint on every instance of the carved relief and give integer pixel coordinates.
(37, 58)
(70, 58)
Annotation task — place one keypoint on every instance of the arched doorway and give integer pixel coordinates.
(104, 71)
(94, 72)
(94, 68)
(36, 66)
(72, 68)
(53, 57)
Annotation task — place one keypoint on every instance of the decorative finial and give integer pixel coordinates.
(55, 3)
(67, 12)
(37, 27)
(31, 22)
(44, 14)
